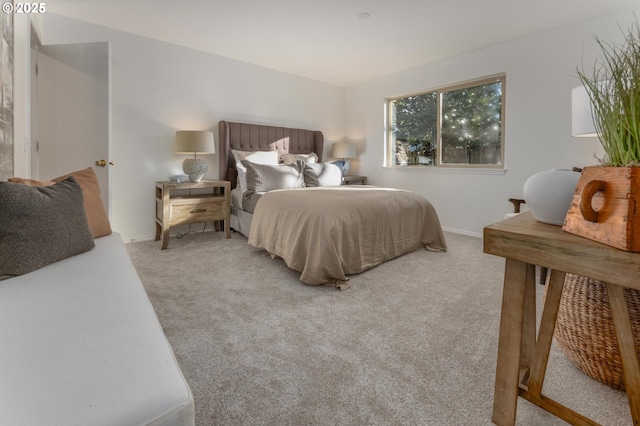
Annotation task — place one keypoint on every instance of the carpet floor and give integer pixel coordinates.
(411, 342)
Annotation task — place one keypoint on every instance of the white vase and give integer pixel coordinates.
(548, 194)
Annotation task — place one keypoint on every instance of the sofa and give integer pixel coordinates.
(80, 343)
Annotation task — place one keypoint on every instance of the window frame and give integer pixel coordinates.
(502, 78)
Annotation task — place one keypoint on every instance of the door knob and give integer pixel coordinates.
(103, 163)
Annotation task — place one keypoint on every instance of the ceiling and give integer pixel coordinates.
(327, 40)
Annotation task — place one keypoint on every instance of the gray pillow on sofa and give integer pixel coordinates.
(41, 225)
(267, 177)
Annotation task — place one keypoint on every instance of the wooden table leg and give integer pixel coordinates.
(528, 324)
(227, 228)
(505, 397)
(165, 238)
(545, 336)
(624, 335)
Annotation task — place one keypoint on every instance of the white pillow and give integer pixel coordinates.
(307, 158)
(322, 174)
(257, 157)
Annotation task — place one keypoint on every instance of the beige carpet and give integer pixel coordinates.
(412, 342)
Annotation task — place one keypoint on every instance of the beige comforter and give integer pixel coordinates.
(329, 233)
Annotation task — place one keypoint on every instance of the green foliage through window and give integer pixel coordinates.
(459, 125)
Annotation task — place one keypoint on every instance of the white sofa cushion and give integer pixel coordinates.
(81, 345)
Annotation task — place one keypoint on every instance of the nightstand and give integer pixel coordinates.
(191, 202)
(353, 179)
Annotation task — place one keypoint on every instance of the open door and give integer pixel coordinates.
(74, 111)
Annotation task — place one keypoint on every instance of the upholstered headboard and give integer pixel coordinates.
(256, 137)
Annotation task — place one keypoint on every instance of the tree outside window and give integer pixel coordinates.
(457, 126)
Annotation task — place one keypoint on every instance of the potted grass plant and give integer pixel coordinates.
(613, 86)
(604, 209)
(604, 204)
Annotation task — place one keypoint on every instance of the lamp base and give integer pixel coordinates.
(195, 168)
(346, 168)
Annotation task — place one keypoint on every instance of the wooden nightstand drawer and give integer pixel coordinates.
(188, 212)
(191, 202)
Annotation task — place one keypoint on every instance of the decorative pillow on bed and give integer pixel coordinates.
(40, 225)
(340, 164)
(267, 177)
(93, 205)
(292, 158)
(257, 157)
(322, 174)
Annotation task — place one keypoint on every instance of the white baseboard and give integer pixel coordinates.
(444, 228)
(138, 239)
(174, 231)
(462, 232)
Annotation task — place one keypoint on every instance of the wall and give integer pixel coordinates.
(158, 88)
(541, 70)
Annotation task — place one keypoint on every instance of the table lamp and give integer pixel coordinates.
(345, 151)
(549, 193)
(582, 125)
(194, 142)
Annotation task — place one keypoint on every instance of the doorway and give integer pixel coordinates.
(73, 112)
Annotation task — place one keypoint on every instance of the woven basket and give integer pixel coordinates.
(585, 332)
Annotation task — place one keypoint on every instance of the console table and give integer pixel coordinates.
(523, 351)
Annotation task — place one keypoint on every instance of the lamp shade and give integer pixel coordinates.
(581, 119)
(194, 141)
(343, 150)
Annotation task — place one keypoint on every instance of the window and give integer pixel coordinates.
(456, 126)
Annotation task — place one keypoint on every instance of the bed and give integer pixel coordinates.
(319, 228)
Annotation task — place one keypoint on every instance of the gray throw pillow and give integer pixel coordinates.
(41, 225)
(322, 174)
(266, 177)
